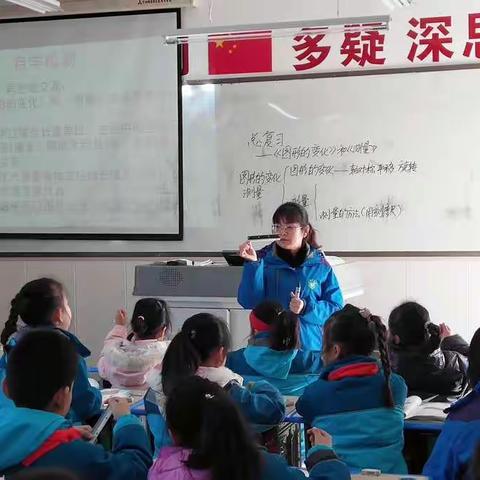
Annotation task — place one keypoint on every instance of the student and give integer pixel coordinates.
(356, 400)
(128, 358)
(273, 351)
(430, 359)
(43, 303)
(294, 272)
(212, 442)
(456, 445)
(41, 370)
(201, 348)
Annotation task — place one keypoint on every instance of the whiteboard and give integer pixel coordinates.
(89, 128)
(384, 163)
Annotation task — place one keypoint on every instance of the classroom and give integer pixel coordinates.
(238, 239)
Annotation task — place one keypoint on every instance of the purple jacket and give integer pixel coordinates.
(170, 465)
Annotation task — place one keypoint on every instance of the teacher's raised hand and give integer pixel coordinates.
(296, 303)
(247, 252)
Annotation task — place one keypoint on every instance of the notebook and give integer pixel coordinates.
(425, 410)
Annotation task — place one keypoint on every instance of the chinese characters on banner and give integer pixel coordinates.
(413, 40)
(430, 39)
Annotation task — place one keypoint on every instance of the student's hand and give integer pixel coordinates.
(296, 303)
(319, 437)
(86, 431)
(445, 331)
(120, 407)
(121, 317)
(246, 251)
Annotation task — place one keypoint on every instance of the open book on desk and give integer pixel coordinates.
(425, 410)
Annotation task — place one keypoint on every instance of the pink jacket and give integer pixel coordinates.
(170, 465)
(126, 363)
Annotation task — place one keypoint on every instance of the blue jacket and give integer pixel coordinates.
(31, 429)
(86, 400)
(273, 279)
(348, 401)
(458, 440)
(290, 371)
(261, 403)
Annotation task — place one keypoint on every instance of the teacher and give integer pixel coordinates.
(293, 271)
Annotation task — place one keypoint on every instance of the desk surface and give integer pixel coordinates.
(293, 417)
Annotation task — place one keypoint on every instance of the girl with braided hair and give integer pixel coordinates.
(357, 399)
(42, 303)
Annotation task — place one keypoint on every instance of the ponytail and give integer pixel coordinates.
(10, 325)
(181, 360)
(201, 335)
(381, 332)
(284, 332)
(139, 327)
(204, 419)
(282, 325)
(311, 238)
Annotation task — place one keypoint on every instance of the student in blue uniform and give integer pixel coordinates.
(274, 351)
(212, 442)
(460, 436)
(357, 401)
(35, 433)
(43, 303)
(200, 348)
(294, 272)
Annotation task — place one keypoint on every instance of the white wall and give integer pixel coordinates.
(98, 287)
(447, 286)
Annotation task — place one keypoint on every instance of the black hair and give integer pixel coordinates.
(408, 321)
(358, 332)
(474, 360)
(203, 418)
(292, 212)
(42, 362)
(284, 325)
(35, 304)
(199, 337)
(33, 473)
(150, 315)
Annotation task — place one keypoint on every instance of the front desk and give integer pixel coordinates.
(213, 288)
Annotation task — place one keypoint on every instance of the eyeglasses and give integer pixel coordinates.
(288, 228)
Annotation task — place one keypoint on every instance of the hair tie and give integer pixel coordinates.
(258, 324)
(141, 318)
(192, 334)
(209, 396)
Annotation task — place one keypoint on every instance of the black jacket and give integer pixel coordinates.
(442, 371)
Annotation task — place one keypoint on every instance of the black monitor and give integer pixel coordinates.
(233, 258)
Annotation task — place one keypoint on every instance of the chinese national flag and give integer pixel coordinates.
(226, 57)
